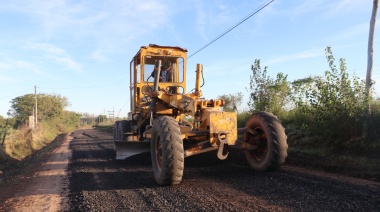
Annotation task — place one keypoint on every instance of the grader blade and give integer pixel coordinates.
(128, 149)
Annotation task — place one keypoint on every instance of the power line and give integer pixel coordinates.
(80, 87)
(234, 26)
(121, 109)
(5, 97)
(63, 88)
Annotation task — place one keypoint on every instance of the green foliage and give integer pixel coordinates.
(2, 121)
(231, 101)
(267, 94)
(331, 106)
(322, 115)
(87, 119)
(106, 128)
(326, 108)
(242, 118)
(258, 88)
(52, 121)
(374, 120)
(23, 141)
(68, 120)
(10, 122)
(49, 107)
(22, 108)
(280, 91)
(101, 119)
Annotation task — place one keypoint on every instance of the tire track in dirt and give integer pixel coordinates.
(46, 188)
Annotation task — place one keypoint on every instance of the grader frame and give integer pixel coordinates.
(157, 119)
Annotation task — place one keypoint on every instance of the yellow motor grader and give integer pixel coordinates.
(159, 114)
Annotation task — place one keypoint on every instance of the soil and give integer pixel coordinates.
(326, 164)
(82, 175)
(39, 182)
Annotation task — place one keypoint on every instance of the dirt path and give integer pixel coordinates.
(45, 187)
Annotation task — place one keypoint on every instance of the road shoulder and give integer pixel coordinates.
(42, 186)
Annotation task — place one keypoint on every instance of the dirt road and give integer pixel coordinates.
(96, 182)
(42, 186)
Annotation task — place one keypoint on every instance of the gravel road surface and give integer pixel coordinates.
(99, 183)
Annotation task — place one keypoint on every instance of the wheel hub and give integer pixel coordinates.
(258, 139)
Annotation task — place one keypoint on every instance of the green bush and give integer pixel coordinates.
(331, 106)
(49, 107)
(22, 142)
(266, 93)
(242, 118)
(374, 120)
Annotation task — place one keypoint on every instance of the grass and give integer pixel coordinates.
(354, 157)
(13, 169)
(24, 146)
(23, 142)
(105, 127)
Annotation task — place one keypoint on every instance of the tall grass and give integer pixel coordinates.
(23, 142)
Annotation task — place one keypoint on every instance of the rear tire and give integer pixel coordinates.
(167, 151)
(268, 137)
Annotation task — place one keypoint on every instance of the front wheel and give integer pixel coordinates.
(267, 136)
(167, 151)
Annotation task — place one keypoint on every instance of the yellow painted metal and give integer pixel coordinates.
(138, 72)
(199, 70)
(210, 125)
(223, 123)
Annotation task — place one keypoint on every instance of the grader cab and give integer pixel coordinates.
(159, 113)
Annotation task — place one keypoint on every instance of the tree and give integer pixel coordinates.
(231, 101)
(267, 94)
(369, 68)
(258, 88)
(2, 121)
(335, 102)
(87, 119)
(69, 119)
(279, 94)
(22, 108)
(101, 119)
(49, 106)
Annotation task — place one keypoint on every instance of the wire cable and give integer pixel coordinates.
(82, 87)
(233, 27)
(13, 95)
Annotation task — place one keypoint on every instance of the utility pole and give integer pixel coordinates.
(111, 114)
(368, 81)
(35, 99)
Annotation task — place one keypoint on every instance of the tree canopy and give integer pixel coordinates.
(231, 101)
(48, 105)
(266, 93)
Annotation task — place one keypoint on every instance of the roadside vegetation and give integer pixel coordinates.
(323, 115)
(108, 127)
(19, 139)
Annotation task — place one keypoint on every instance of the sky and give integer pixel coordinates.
(81, 49)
